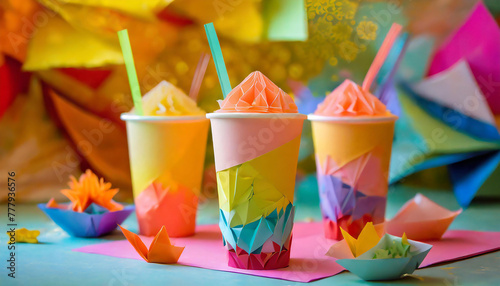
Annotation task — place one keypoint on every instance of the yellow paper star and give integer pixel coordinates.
(25, 235)
(367, 239)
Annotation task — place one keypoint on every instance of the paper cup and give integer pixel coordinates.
(166, 161)
(352, 159)
(256, 161)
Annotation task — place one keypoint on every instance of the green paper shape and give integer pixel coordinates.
(285, 20)
(220, 66)
(132, 74)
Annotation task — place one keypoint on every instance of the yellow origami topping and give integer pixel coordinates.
(25, 235)
(367, 239)
(90, 189)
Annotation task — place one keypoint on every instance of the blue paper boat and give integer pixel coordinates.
(95, 221)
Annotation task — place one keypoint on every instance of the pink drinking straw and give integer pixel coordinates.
(198, 76)
(384, 50)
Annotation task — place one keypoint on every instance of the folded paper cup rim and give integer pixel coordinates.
(352, 119)
(134, 117)
(231, 115)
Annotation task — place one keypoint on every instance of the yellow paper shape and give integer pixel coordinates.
(169, 152)
(75, 48)
(25, 235)
(258, 187)
(140, 8)
(227, 17)
(367, 239)
(165, 99)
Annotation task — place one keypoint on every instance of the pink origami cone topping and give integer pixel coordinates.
(258, 94)
(348, 99)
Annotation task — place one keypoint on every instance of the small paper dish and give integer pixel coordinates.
(372, 258)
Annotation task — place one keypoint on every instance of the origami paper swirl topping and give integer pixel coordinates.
(90, 189)
(349, 99)
(257, 94)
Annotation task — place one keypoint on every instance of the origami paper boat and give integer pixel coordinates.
(161, 249)
(421, 219)
(368, 268)
(95, 221)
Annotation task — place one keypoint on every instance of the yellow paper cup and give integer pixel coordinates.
(256, 162)
(352, 159)
(167, 155)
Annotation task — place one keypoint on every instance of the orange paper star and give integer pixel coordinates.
(90, 189)
(160, 250)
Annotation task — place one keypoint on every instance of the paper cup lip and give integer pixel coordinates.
(223, 115)
(352, 119)
(134, 117)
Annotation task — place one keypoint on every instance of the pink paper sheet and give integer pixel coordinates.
(308, 261)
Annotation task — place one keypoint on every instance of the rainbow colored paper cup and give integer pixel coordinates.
(167, 155)
(352, 159)
(256, 162)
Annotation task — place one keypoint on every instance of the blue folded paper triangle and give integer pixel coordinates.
(276, 227)
(470, 175)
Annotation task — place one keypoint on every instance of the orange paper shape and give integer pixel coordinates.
(421, 219)
(160, 250)
(90, 189)
(258, 94)
(158, 207)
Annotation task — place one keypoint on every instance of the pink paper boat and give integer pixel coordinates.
(421, 219)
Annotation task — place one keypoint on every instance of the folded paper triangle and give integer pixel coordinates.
(160, 250)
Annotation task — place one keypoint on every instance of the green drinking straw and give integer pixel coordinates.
(213, 41)
(132, 75)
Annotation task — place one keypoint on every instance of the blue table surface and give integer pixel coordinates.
(53, 263)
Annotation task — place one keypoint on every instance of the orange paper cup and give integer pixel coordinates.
(352, 159)
(167, 154)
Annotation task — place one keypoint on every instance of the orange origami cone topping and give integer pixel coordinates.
(258, 94)
(90, 189)
(160, 250)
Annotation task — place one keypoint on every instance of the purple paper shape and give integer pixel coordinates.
(373, 205)
(94, 222)
(478, 42)
(338, 199)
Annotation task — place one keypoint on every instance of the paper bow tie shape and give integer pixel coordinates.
(421, 219)
(160, 250)
(374, 258)
(92, 211)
